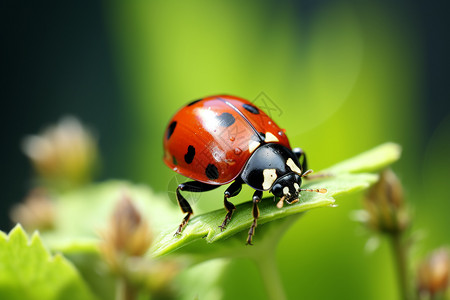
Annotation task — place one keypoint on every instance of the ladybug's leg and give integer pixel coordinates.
(255, 211)
(233, 190)
(191, 186)
(300, 153)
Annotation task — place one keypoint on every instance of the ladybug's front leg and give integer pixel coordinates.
(255, 211)
(191, 186)
(233, 190)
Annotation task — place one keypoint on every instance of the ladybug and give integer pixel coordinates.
(226, 139)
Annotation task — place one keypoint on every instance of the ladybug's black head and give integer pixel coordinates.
(287, 187)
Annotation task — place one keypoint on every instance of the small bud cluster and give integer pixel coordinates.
(124, 245)
(385, 205)
(433, 274)
(63, 155)
(37, 212)
(128, 234)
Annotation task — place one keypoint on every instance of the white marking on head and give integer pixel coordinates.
(270, 175)
(296, 186)
(270, 138)
(291, 164)
(286, 191)
(252, 145)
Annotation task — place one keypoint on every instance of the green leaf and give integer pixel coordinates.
(370, 161)
(203, 230)
(28, 271)
(88, 261)
(94, 206)
(83, 213)
(201, 239)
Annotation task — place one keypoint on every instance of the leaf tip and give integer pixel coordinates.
(395, 149)
(36, 240)
(18, 234)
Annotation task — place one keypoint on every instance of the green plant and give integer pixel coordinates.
(81, 214)
(28, 271)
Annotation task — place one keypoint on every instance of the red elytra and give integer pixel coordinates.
(211, 139)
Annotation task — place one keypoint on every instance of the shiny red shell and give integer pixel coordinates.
(211, 139)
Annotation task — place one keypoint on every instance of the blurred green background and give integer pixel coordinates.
(345, 76)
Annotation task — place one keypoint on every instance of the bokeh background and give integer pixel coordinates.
(345, 76)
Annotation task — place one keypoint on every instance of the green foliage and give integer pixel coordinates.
(339, 182)
(370, 161)
(81, 214)
(84, 213)
(28, 271)
(88, 261)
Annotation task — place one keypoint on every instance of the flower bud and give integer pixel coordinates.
(128, 235)
(63, 155)
(433, 274)
(385, 205)
(36, 212)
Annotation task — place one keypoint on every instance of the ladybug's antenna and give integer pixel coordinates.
(322, 191)
(306, 173)
(281, 201)
(315, 176)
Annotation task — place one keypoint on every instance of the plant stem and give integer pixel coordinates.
(265, 257)
(271, 276)
(124, 290)
(400, 257)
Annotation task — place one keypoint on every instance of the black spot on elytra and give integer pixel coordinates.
(170, 129)
(226, 119)
(212, 172)
(174, 160)
(193, 102)
(251, 108)
(189, 156)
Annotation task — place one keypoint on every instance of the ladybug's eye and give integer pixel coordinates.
(277, 190)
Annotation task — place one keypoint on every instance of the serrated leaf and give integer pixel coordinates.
(28, 271)
(204, 228)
